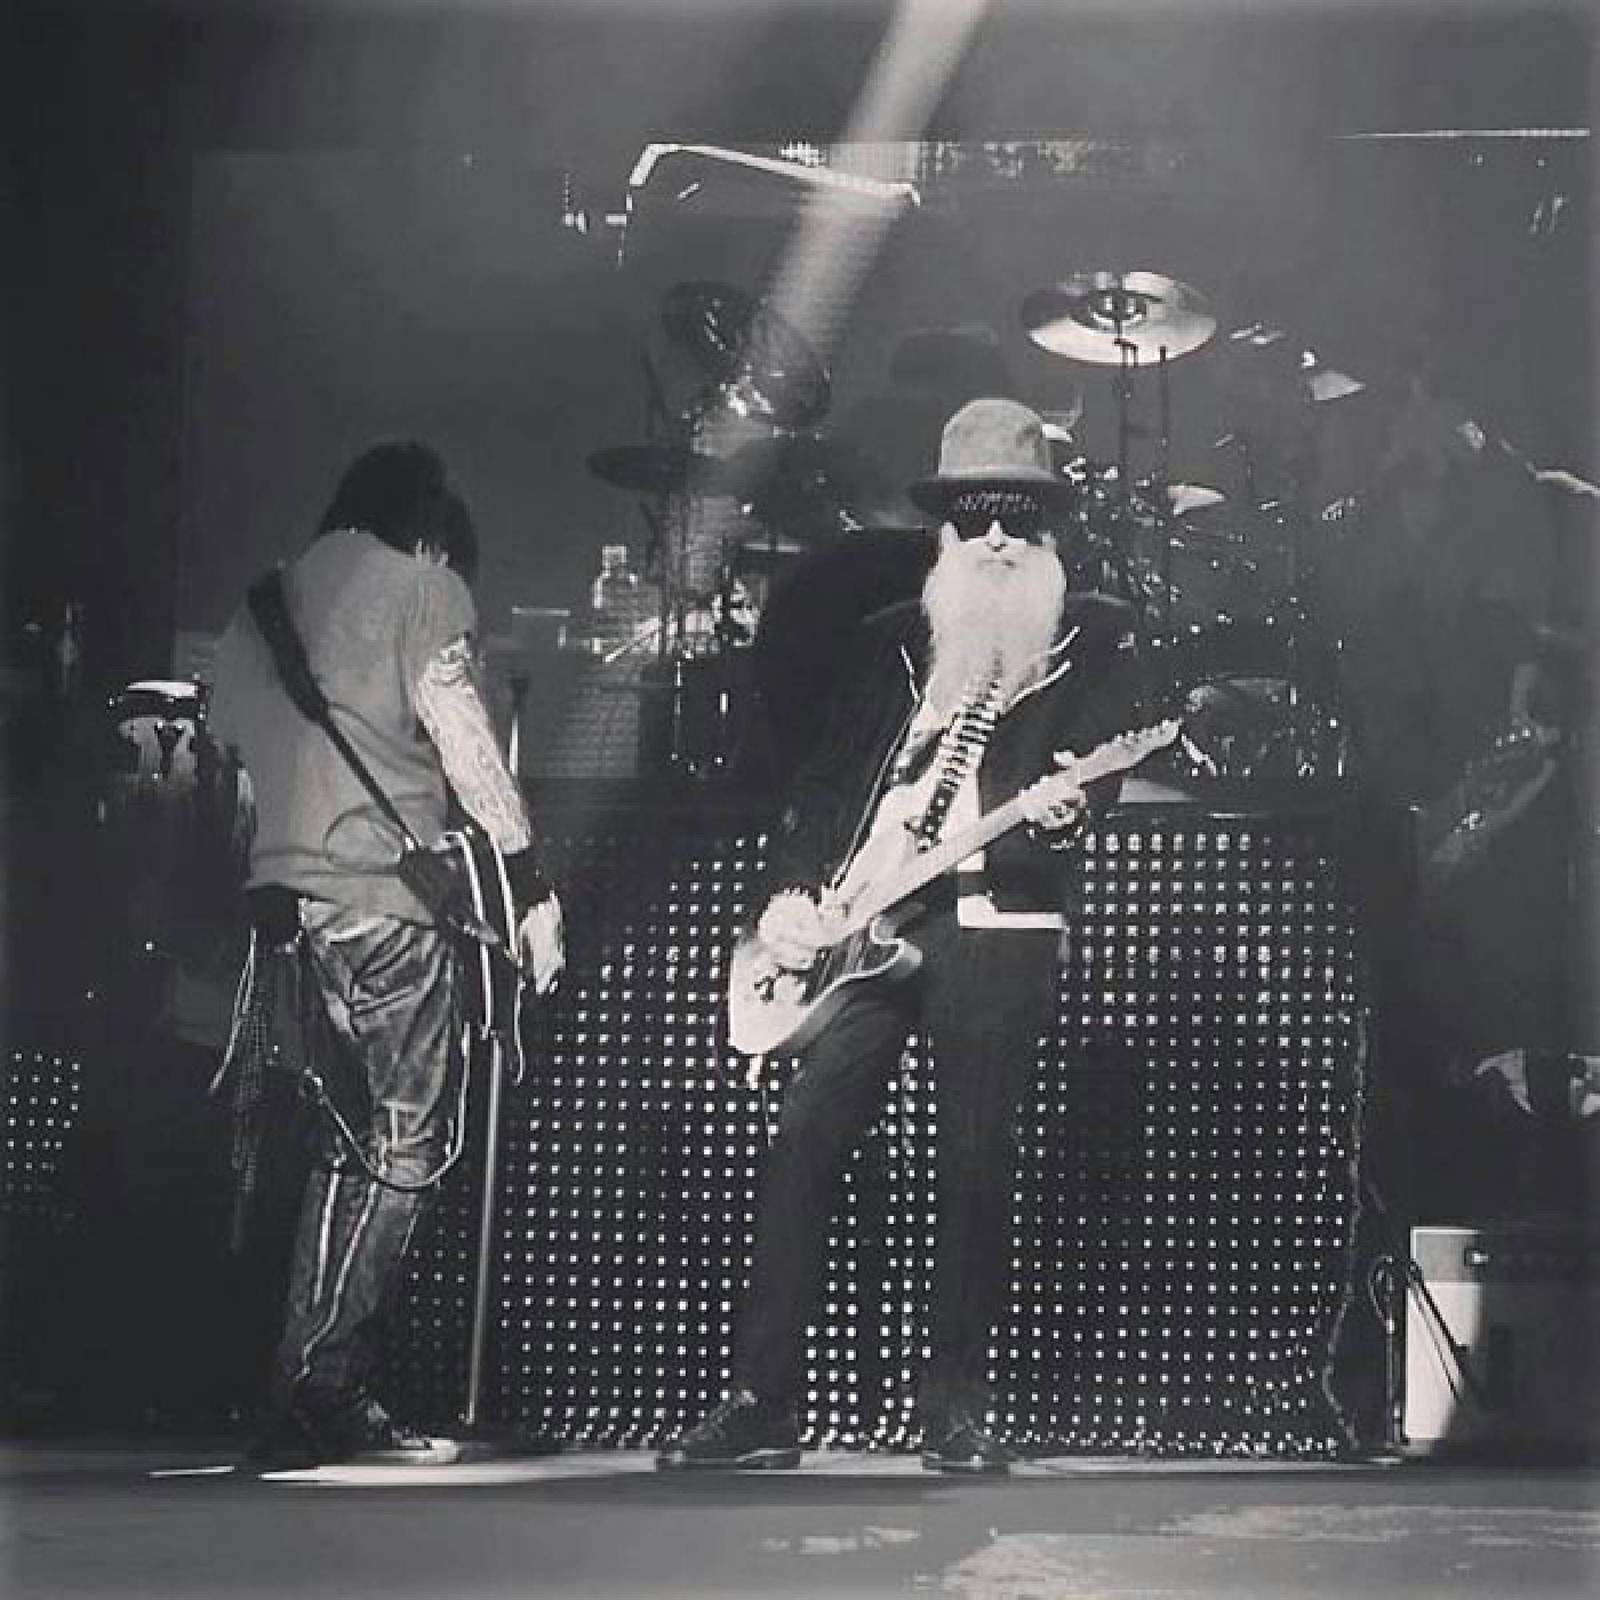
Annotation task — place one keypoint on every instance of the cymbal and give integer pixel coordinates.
(798, 461)
(1278, 361)
(747, 348)
(654, 468)
(1186, 498)
(1323, 384)
(1101, 316)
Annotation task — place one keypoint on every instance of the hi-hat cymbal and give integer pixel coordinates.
(1101, 317)
(654, 468)
(742, 343)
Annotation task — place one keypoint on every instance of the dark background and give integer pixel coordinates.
(245, 239)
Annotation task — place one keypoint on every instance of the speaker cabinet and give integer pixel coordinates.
(1515, 1362)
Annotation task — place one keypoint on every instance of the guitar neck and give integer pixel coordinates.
(922, 869)
(1117, 755)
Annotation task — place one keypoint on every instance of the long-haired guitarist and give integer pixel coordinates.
(950, 708)
(380, 607)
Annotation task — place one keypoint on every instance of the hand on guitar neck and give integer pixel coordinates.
(1057, 805)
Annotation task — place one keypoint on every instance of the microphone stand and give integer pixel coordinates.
(480, 1440)
(471, 1413)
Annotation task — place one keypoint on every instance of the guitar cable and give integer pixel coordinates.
(316, 1091)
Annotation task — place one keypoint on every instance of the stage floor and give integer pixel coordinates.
(177, 1521)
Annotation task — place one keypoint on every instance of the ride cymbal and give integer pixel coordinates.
(1103, 317)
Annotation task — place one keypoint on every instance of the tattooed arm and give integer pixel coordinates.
(457, 720)
(452, 710)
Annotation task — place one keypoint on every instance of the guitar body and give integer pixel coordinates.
(771, 1010)
(1495, 790)
(492, 984)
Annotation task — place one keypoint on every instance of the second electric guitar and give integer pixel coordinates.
(772, 1009)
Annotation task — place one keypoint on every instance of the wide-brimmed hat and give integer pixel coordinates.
(993, 445)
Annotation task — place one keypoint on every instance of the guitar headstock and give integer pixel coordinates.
(1134, 745)
(1118, 754)
(1126, 750)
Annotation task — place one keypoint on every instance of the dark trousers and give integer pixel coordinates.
(390, 990)
(984, 999)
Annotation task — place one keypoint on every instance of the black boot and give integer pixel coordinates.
(959, 1441)
(319, 1429)
(743, 1432)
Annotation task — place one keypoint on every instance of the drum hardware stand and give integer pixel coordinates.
(1163, 474)
(1127, 367)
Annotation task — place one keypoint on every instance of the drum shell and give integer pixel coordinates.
(1219, 575)
(1260, 703)
(156, 728)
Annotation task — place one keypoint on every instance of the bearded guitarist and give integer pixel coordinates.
(948, 709)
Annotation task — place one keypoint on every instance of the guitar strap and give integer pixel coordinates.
(270, 608)
(960, 749)
(424, 873)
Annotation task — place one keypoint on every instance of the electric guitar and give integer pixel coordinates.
(493, 983)
(771, 1008)
(1496, 788)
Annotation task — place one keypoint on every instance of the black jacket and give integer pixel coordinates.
(1090, 692)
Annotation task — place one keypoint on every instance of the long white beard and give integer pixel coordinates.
(988, 618)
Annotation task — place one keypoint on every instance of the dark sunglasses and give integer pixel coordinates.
(1020, 515)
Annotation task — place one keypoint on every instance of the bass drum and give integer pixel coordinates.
(1260, 705)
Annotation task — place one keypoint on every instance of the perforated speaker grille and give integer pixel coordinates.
(1187, 1196)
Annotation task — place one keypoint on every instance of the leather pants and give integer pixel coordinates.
(390, 991)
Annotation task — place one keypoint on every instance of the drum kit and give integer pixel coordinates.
(735, 488)
(1217, 582)
(739, 485)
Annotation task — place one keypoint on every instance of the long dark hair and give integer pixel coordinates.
(448, 528)
(392, 491)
